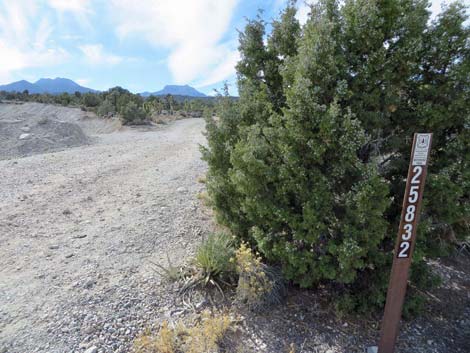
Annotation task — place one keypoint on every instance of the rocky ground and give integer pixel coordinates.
(307, 321)
(79, 230)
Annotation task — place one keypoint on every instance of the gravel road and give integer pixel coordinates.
(79, 228)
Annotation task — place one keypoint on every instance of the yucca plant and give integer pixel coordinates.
(213, 257)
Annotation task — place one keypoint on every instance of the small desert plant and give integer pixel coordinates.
(204, 197)
(203, 336)
(211, 265)
(259, 285)
(164, 342)
(213, 256)
(170, 273)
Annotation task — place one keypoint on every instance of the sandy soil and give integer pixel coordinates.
(78, 230)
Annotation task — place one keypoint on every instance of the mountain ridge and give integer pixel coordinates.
(175, 90)
(46, 85)
(60, 85)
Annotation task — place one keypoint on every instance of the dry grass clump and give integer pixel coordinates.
(204, 336)
(258, 284)
(204, 197)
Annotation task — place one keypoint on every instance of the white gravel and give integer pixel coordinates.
(78, 230)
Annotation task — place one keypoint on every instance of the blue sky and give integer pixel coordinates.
(140, 45)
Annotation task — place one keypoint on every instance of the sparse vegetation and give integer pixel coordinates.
(203, 336)
(117, 101)
(213, 257)
(202, 179)
(170, 273)
(258, 285)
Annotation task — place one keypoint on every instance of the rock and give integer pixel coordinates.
(26, 129)
(68, 256)
(88, 330)
(66, 212)
(53, 247)
(88, 284)
(79, 236)
(24, 136)
(92, 349)
(181, 189)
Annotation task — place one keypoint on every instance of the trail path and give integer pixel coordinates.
(78, 229)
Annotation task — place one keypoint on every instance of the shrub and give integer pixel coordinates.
(105, 108)
(204, 336)
(309, 165)
(213, 256)
(258, 284)
(132, 113)
(90, 100)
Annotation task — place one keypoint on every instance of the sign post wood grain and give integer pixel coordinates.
(406, 241)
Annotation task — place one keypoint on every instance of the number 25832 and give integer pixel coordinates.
(410, 213)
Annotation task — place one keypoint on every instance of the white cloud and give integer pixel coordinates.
(25, 41)
(74, 6)
(192, 29)
(222, 71)
(82, 81)
(96, 55)
(79, 10)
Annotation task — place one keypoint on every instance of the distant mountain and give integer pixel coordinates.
(47, 85)
(175, 90)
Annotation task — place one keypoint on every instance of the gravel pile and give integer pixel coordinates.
(33, 128)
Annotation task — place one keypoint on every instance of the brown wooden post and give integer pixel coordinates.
(406, 241)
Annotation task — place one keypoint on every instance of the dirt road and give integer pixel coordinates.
(78, 230)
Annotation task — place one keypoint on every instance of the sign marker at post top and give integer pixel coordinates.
(421, 151)
(406, 241)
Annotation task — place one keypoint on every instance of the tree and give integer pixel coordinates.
(309, 165)
(25, 95)
(132, 114)
(106, 107)
(169, 103)
(90, 100)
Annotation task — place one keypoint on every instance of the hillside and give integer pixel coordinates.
(46, 85)
(175, 90)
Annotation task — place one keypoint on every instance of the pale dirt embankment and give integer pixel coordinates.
(78, 229)
(34, 128)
